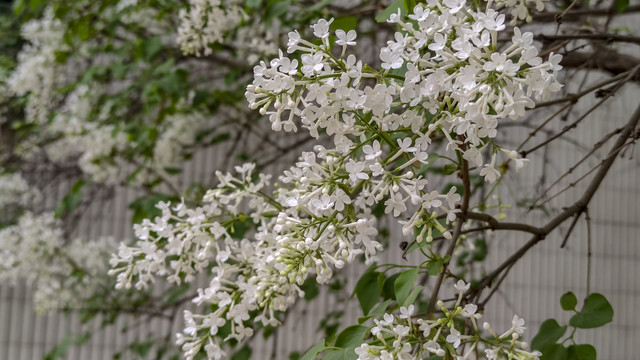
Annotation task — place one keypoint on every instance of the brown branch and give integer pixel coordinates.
(596, 146)
(496, 225)
(573, 184)
(587, 218)
(575, 97)
(466, 181)
(495, 288)
(605, 59)
(576, 217)
(580, 14)
(560, 17)
(606, 37)
(574, 124)
(577, 207)
(537, 129)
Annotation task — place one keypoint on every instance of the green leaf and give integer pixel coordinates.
(351, 336)
(554, 352)
(392, 9)
(377, 311)
(381, 308)
(315, 350)
(413, 295)
(240, 227)
(341, 354)
(596, 312)
(310, 288)
(367, 290)
(276, 8)
(320, 5)
(242, 354)
(253, 3)
(71, 200)
(388, 291)
(174, 294)
(219, 138)
(145, 207)
(480, 252)
(83, 29)
(18, 6)
(378, 209)
(36, 4)
(172, 170)
(345, 23)
(568, 301)
(61, 349)
(435, 266)
(449, 169)
(61, 56)
(581, 352)
(550, 331)
(152, 47)
(404, 283)
(141, 348)
(622, 5)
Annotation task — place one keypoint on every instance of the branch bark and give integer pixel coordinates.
(578, 207)
(606, 59)
(581, 13)
(466, 181)
(606, 37)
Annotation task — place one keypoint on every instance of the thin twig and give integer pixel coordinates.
(560, 16)
(583, 116)
(536, 130)
(596, 146)
(589, 36)
(568, 212)
(587, 218)
(571, 226)
(575, 97)
(494, 289)
(580, 14)
(585, 175)
(466, 181)
(496, 225)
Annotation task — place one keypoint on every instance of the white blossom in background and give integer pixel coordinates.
(37, 73)
(62, 274)
(77, 127)
(520, 8)
(205, 22)
(180, 132)
(254, 40)
(14, 190)
(97, 159)
(130, 12)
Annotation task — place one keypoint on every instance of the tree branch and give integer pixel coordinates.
(578, 207)
(606, 37)
(466, 181)
(496, 225)
(610, 61)
(580, 14)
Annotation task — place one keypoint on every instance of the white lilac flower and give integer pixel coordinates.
(319, 218)
(346, 38)
(396, 337)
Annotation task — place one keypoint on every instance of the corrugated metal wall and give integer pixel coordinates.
(532, 289)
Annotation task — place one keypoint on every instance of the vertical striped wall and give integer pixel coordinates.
(532, 289)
